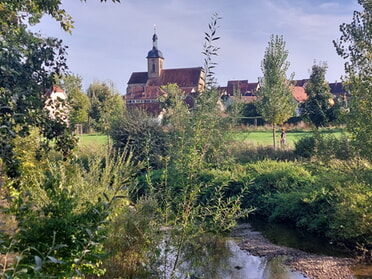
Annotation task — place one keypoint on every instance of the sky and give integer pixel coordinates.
(111, 40)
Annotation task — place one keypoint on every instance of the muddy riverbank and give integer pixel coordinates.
(310, 265)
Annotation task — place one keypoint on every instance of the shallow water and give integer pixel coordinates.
(288, 236)
(242, 265)
(225, 260)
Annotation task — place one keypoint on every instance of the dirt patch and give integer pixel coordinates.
(310, 265)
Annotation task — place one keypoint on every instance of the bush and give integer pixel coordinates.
(324, 147)
(271, 178)
(305, 147)
(61, 213)
(141, 134)
(246, 153)
(333, 201)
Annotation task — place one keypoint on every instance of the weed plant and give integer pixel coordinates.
(62, 213)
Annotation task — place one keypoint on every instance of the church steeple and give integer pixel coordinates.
(154, 58)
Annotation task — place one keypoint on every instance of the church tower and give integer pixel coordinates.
(154, 59)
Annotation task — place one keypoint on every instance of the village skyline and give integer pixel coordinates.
(111, 40)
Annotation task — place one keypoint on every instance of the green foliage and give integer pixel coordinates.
(210, 51)
(271, 178)
(333, 201)
(140, 133)
(62, 216)
(317, 109)
(274, 98)
(248, 113)
(325, 147)
(133, 241)
(244, 153)
(305, 147)
(78, 101)
(28, 65)
(105, 106)
(355, 47)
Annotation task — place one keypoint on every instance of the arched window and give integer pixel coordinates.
(153, 68)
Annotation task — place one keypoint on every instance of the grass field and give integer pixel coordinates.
(265, 137)
(92, 139)
(254, 137)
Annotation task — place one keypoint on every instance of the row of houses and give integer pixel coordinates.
(144, 88)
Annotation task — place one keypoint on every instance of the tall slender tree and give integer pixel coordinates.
(274, 98)
(355, 46)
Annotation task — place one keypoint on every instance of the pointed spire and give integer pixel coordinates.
(155, 39)
(155, 52)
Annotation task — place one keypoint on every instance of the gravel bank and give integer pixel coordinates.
(310, 265)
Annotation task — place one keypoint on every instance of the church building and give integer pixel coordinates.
(144, 88)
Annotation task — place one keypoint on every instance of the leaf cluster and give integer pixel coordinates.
(210, 51)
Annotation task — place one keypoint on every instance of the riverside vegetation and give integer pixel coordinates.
(136, 209)
(108, 215)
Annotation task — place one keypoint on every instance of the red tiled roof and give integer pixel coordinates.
(185, 77)
(139, 77)
(299, 93)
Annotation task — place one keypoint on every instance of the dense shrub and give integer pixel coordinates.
(305, 147)
(332, 201)
(61, 214)
(272, 178)
(324, 147)
(141, 134)
(243, 152)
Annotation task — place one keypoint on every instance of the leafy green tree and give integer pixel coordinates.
(105, 105)
(274, 98)
(78, 101)
(317, 109)
(355, 46)
(28, 63)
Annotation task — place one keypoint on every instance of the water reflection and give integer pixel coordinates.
(223, 259)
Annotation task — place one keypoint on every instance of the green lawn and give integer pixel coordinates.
(254, 137)
(92, 139)
(265, 137)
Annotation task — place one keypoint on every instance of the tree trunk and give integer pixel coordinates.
(274, 136)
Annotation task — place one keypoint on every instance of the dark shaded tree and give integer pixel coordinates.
(317, 109)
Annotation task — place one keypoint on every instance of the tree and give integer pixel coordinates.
(28, 63)
(274, 98)
(79, 102)
(355, 46)
(317, 109)
(105, 105)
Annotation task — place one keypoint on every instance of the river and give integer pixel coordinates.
(224, 259)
